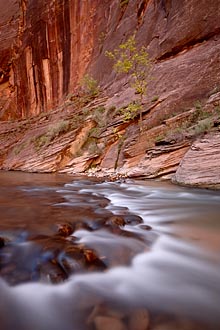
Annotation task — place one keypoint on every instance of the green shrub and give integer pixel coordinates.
(131, 111)
(217, 110)
(18, 148)
(85, 112)
(93, 148)
(100, 109)
(124, 3)
(54, 131)
(203, 126)
(58, 129)
(112, 108)
(94, 132)
(100, 116)
(198, 105)
(155, 98)
(90, 86)
(199, 113)
(41, 140)
(159, 137)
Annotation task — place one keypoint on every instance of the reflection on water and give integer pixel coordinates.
(123, 255)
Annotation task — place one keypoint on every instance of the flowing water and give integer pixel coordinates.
(81, 254)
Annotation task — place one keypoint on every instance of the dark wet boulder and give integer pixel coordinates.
(132, 219)
(145, 227)
(115, 221)
(72, 259)
(90, 225)
(52, 271)
(2, 242)
(65, 229)
(139, 319)
(108, 323)
(93, 261)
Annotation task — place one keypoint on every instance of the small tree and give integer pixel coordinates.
(90, 86)
(130, 60)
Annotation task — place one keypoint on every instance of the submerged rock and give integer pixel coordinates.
(108, 323)
(180, 324)
(116, 221)
(145, 227)
(139, 320)
(65, 229)
(132, 219)
(2, 242)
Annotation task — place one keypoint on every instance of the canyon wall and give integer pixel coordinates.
(9, 29)
(45, 50)
(48, 46)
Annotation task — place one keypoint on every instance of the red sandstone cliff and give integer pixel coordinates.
(47, 47)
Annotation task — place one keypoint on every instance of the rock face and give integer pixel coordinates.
(43, 58)
(201, 164)
(9, 30)
(52, 50)
(55, 49)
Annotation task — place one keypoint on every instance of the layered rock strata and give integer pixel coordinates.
(45, 56)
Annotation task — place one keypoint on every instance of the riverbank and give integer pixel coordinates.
(184, 148)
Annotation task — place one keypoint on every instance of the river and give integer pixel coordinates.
(78, 254)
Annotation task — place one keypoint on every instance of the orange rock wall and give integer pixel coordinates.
(51, 44)
(47, 46)
(9, 28)
(56, 45)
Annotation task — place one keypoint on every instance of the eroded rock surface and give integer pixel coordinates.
(45, 56)
(201, 164)
(9, 31)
